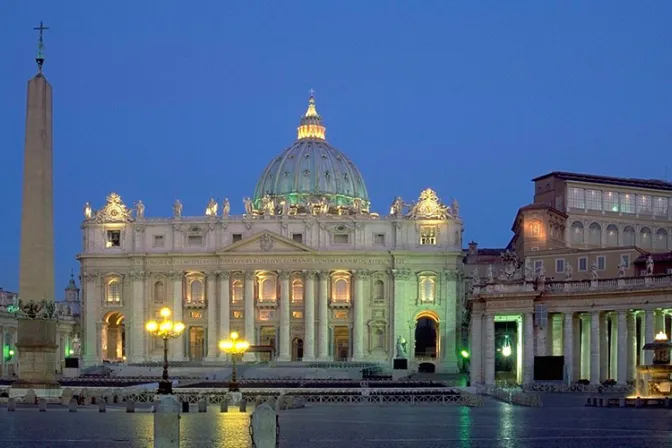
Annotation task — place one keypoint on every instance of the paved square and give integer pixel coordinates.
(389, 426)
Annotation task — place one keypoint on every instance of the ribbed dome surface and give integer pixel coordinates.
(311, 168)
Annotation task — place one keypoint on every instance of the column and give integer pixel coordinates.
(540, 339)
(604, 347)
(568, 348)
(248, 314)
(489, 350)
(595, 347)
(309, 316)
(92, 317)
(528, 348)
(177, 344)
(224, 308)
(358, 321)
(323, 317)
(476, 336)
(2, 351)
(557, 331)
(585, 346)
(211, 300)
(660, 321)
(613, 346)
(137, 327)
(649, 335)
(631, 347)
(285, 335)
(622, 357)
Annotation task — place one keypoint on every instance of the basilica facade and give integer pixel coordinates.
(308, 273)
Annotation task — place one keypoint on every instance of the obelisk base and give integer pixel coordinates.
(37, 359)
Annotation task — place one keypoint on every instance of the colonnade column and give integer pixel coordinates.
(248, 314)
(358, 321)
(585, 346)
(211, 298)
(283, 354)
(624, 354)
(309, 316)
(224, 307)
(92, 299)
(2, 351)
(528, 348)
(323, 317)
(137, 339)
(604, 347)
(632, 346)
(595, 347)
(177, 344)
(568, 349)
(660, 322)
(614, 356)
(489, 350)
(476, 348)
(649, 335)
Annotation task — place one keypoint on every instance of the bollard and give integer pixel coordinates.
(102, 406)
(224, 406)
(130, 406)
(202, 405)
(11, 404)
(185, 406)
(72, 406)
(243, 405)
(42, 405)
(264, 427)
(258, 401)
(167, 423)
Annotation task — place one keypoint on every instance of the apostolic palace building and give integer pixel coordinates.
(308, 273)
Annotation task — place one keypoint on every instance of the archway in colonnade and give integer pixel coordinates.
(113, 337)
(427, 341)
(508, 348)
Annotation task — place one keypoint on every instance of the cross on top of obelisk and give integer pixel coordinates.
(40, 46)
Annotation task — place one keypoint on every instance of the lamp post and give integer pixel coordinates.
(166, 329)
(233, 346)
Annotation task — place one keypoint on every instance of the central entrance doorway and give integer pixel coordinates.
(196, 343)
(427, 347)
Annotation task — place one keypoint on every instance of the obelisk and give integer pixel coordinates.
(36, 339)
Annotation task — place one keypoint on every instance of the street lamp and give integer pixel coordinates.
(233, 346)
(166, 329)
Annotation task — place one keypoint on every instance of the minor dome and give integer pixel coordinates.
(310, 175)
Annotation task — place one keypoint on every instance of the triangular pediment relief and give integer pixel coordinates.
(268, 242)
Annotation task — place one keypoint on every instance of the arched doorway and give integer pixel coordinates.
(113, 338)
(427, 336)
(297, 349)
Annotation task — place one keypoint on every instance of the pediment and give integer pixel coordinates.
(266, 242)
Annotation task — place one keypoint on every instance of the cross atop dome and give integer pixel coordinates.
(311, 123)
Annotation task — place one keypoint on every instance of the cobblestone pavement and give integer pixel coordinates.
(428, 426)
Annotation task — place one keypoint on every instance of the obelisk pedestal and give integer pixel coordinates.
(37, 326)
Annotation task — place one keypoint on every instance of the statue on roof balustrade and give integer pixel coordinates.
(177, 209)
(649, 265)
(569, 271)
(211, 209)
(139, 210)
(226, 207)
(397, 207)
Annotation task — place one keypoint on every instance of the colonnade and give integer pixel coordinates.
(596, 345)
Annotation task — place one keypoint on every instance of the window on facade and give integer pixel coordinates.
(629, 236)
(601, 263)
(237, 291)
(341, 290)
(298, 237)
(379, 239)
(196, 292)
(268, 289)
(159, 292)
(236, 237)
(661, 239)
(428, 236)
(560, 265)
(341, 238)
(427, 289)
(576, 198)
(594, 200)
(612, 235)
(113, 291)
(610, 201)
(660, 206)
(538, 265)
(113, 238)
(595, 234)
(625, 260)
(583, 264)
(195, 240)
(576, 232)
(644, 204)
(159, 241)
(627, 202)
(378, 291)
(297, 291)
(645, 237)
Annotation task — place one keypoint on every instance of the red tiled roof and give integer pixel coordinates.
(653, 184)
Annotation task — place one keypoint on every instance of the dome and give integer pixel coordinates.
(311, 174)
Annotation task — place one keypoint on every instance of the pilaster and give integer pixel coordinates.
(224, 307)
(177, 344)
(137, 325)
(211, 298)
(489, 357)
(323, 316)
(309, 316)
(285, 335)
(358, 328)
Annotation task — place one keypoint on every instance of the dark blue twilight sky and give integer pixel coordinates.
(159, 100)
